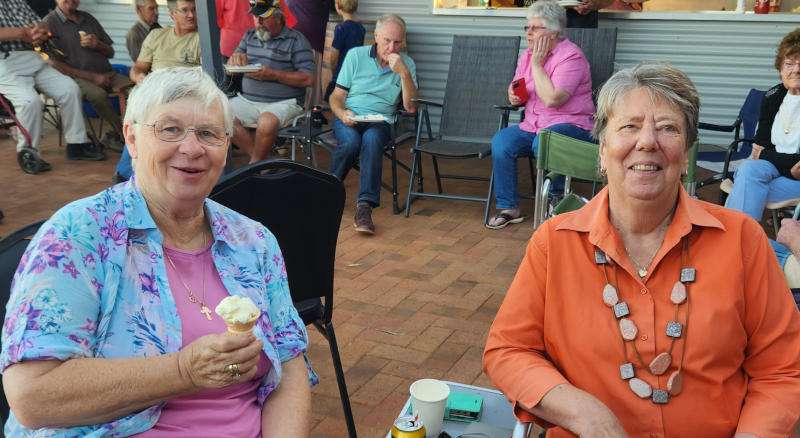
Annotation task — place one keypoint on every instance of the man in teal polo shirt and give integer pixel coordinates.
(370, 83)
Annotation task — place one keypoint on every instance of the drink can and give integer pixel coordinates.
(408, 427)
(761, 7)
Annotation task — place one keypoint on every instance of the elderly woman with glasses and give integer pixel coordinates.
(772, 174)
(558, 83)
(108, 330)
(648, 312)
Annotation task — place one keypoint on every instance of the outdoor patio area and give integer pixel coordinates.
(415, 300)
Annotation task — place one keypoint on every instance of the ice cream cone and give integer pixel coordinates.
(239, 313)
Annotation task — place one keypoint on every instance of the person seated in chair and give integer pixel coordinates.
(274, 95)
(147, 11)
(772, 173)
(86, 49)
(558, 82)
(23, 71)
(112, 308)
(177, 46)
(371, 81)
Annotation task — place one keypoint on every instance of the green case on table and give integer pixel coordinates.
(463, 407)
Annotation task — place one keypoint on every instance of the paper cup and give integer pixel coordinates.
(428, 400)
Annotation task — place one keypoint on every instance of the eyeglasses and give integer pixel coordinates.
(533, 28)
(186, 11)
(789, 65)
(170, 131)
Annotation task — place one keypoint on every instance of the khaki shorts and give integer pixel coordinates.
(248, 111)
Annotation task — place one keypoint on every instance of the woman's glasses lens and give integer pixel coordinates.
(172, 131)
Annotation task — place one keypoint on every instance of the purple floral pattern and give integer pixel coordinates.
(93, 281)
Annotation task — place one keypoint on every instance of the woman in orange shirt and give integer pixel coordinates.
(595, 336)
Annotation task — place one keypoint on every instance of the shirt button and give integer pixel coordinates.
(644, 337)
(644, 291)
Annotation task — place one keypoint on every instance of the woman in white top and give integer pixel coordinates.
(772, 173)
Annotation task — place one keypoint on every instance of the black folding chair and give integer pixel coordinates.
(11, 249)
(302, 207)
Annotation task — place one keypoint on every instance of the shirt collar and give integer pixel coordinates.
(64, 18)
(373, 52)
(137, 215)
(593, 219)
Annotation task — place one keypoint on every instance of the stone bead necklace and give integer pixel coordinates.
(628, 330)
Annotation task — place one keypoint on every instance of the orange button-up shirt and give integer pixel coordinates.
(742, 365)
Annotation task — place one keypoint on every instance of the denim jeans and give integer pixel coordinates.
(363, 142)
(782, 252)
(124, 165)
(757, 182)
(510, 143)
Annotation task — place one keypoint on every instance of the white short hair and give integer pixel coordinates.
(170, 84)
(553, 15)
(137, 3)
(390, 18)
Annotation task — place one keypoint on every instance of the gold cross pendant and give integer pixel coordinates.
(205, 311)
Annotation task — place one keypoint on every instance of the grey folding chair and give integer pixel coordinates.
(481, 68)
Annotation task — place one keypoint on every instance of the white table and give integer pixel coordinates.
(496, 411)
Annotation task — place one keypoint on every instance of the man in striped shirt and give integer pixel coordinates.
(272, 96)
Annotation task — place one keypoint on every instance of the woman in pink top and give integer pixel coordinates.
(559, 86)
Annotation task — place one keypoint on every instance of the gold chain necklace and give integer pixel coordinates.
(192, 297)
(674, 329)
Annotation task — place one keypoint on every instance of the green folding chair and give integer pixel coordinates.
(563, 155)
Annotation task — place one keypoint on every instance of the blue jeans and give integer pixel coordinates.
(363, 142)
(757, 182)
(125, 166)
(510, 143)
(782, 252)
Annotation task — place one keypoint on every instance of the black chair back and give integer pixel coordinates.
(600, 48)
(11, 249)
(302, 207)
(481, 67)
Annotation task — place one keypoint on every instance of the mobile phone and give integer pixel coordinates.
(520, 90)
(796, 214)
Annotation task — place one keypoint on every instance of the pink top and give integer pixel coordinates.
(233, 20)
(232, 411)
(569, 71)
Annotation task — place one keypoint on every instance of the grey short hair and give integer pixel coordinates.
(551, 13)
(390, 18)
(137, 3)
(170, 84)
(662, 81)
(172, 4)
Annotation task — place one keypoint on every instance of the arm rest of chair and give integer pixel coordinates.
(507, 107)
(716, 127)
(428, 102)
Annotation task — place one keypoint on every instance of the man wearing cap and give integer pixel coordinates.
(22, 71)
(272, 96)
(372, 81)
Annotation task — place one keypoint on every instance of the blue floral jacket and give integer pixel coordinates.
(93, 283)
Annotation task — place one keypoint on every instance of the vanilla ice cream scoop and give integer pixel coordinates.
(239, 313)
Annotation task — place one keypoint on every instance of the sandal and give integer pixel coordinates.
(502, 220)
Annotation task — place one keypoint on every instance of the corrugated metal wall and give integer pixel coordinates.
(724, 58)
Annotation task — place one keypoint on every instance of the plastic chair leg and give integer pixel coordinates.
(337, 366)
(489, 198)
(436, 173)
(415, 156)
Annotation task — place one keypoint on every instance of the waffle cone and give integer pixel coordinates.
(242, 327)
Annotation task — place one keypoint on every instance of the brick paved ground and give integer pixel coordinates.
(413, 301)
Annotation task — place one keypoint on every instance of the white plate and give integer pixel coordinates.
(569, 3)
(369, 118)
(243, 68)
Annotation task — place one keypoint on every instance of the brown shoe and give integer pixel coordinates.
(363, 219)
